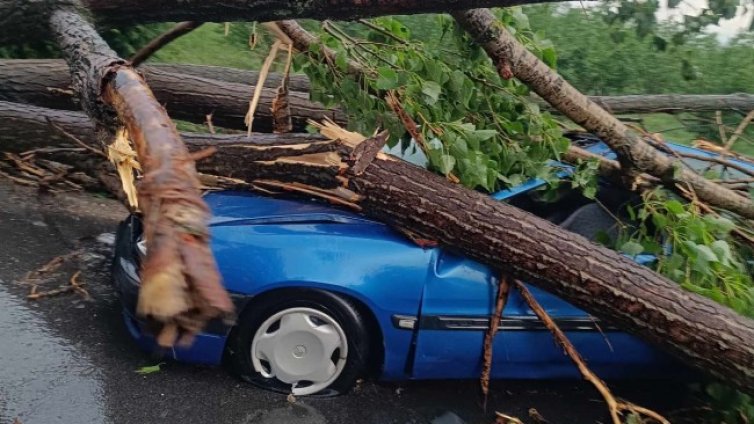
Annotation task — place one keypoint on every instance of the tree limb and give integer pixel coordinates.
(162, 40)
(634, 154)
(180, 281)
(669, 103)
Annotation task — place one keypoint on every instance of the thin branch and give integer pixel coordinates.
(503, 289)
(719, 160)
(615, 406)
(382, 31)
(162, 40)
(739, 130)
(260, 83)
(76, 139)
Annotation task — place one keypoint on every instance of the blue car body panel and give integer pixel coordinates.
(263, 244)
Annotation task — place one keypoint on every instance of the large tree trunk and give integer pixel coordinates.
(38, 81)
(180, 281)
(186, 96)
(634, 154)
(296, 82)
(603, 282)
(30, 15)
(24, 127)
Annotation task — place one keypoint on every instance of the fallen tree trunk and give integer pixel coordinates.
(672, 103)
(634, 154)
(297, 82)
(601, 281)
(24, 128)
(31, 15)
(188, 97)
(40, 74)
(180, 282)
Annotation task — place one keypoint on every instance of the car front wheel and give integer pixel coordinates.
(303, 342)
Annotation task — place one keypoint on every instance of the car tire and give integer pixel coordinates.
(327, 314)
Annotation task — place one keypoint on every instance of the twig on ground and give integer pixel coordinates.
(501, 418)
(51, 266)
(77, 286)
(17, 180)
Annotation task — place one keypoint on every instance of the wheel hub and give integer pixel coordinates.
(301, 351)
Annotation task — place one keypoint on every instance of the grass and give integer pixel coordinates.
(208, 45)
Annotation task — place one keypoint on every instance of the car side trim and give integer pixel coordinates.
(519, 323)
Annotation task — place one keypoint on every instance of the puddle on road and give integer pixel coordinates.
(43, 379)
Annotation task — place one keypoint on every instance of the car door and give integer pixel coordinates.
(456, 305)
(457, 302)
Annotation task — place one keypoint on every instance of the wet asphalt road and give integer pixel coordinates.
(69, 360)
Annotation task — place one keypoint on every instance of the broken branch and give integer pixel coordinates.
(162, 40)
(180, 281)
(634, 154)
(615, 406)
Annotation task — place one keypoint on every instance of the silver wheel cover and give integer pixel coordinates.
(296, 346)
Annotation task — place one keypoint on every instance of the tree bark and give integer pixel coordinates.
(634, 154)
(30, 15)
(297, 82)
(671, 103)
(180, 282)
(608, 285)
(188, 97)
(24, 128)
(39, 74)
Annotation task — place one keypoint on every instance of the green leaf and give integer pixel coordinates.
(447, 163)
(549, 57)
(432, 90)
(590, 191)
(675, 207)
(387, 78)
(706, 253)
(721, 248)
(632, 248)
(150, 369)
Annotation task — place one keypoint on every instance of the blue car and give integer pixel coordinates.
(325, 296)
